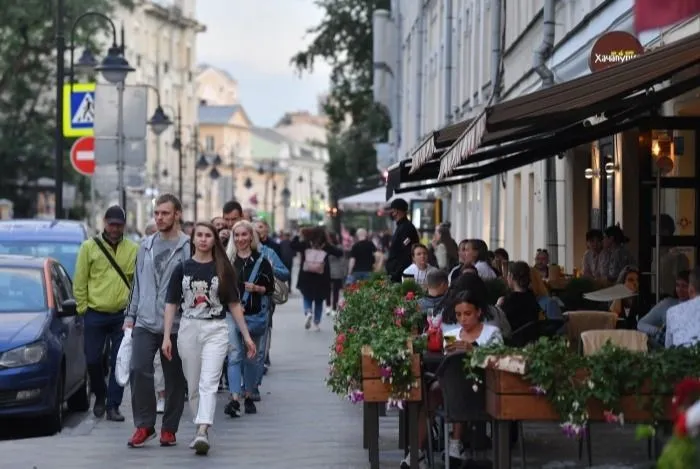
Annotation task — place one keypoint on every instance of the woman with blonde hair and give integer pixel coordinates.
(255, 280)
(550, 306)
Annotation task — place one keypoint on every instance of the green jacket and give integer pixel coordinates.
(96, 284)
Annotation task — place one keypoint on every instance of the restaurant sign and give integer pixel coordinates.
(613, 48)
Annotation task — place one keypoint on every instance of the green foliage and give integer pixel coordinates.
(570, 380)
(679, 453)
(343, 39)
(27, 84)
(380, 315)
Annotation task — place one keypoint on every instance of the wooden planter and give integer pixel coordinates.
(510, 397)
(377, 391)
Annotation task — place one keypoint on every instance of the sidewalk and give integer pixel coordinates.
(299, 424)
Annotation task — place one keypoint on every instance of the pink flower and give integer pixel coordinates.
(385, 371)
(400, 312)
(538, 390)
(356, 396)
(410, 296)
(341, 305)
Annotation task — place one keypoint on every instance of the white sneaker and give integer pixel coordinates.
(317, 327)
(329, 312)
(307, 323)
(455, 449)
(422, 461)
(201, 444)
(160, 405)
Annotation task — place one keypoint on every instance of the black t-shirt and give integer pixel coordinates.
(265, 278)
(363, 253)
(521, 308)
(195, 287)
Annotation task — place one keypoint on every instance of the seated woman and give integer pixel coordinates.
(493, 314)
(520, 305)
(420, 268)
(472, 332)
(628, 309)
(654, 322)
(550, 306)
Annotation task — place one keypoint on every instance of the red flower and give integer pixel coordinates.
(339, 348)
(410, 296)
(340, 339)
(685, 395)
(679, 428)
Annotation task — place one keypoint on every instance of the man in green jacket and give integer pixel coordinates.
(104, 273)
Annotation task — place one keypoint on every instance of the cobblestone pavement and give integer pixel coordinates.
(299, 425)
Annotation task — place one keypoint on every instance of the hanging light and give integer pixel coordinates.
(202, 163)
(160, 121)
(114, 68)
(86, 63)
(217, 160)
(214, 174)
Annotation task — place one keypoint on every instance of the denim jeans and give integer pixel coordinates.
(241, 369)
(100, 328)
(315, 306)
(361, 276)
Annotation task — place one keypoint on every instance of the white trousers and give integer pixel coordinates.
(203, 346)
(158, 374)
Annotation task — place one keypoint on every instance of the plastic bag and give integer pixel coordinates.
(434, 334)
(121, 370)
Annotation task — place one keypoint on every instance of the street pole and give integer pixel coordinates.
(120, 145)
(58, 131)
(180, 153)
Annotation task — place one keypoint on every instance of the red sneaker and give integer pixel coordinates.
(141, 436)
(167, 438)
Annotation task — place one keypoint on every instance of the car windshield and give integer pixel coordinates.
(65, 253)
(22, 290)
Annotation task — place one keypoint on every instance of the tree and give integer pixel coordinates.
(343, 39)
(27, 84)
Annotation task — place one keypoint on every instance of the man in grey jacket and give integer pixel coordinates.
(158, 256)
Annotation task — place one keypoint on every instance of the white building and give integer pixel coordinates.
(434, 65)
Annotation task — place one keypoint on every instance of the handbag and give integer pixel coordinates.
(281, 293)
(113, 262)
(256, 323)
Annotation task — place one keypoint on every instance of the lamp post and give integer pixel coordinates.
(114, 68)
(158, 123)
(270, 168)
(286, 195)
(202, 165)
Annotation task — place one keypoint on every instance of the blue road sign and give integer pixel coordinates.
(78, 109)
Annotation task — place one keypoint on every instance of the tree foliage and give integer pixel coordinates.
(343, 39)
(27, 88)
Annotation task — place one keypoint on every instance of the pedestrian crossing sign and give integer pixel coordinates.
(78, 109)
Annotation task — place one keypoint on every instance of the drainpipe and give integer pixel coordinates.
(543, 52)
(495, 240)
(398, 76)
(447, 63)
(419, 73)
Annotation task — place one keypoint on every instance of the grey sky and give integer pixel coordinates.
(253, 40)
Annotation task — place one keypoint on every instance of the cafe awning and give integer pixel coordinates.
(549, 121)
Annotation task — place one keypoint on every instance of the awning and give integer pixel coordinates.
(368, 201)
(566, 104)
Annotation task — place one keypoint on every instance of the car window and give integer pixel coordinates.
(61, 288)
(22, 290)
(64, 252)
(65, 280)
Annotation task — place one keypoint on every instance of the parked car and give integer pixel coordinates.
(42, 363)
(58, 239)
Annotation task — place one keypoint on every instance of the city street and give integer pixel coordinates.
(299, 424)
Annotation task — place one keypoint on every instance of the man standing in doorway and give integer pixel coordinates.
(157, 258)
(104, 273)
(405, 236)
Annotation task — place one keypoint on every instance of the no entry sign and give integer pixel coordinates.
(82, 155)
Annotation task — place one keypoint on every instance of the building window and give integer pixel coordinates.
(209, 143)
(166, 67)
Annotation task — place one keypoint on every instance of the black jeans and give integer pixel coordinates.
(334, 297)
(145, 345)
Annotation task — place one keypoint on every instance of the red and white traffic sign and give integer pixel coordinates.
(82, 155)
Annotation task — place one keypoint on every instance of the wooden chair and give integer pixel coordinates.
(582, 321)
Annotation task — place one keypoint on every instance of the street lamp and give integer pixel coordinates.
(160, 121)
(114, 69)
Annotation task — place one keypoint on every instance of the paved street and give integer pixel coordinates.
(299, 424)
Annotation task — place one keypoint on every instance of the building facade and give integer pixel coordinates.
(215, 86)
(439, 70)
(161, 39)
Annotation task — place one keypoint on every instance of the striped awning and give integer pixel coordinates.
(424, 152)
(464, 146)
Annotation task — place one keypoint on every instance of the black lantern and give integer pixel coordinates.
(202, 163)
(214, 174)
(217, 160)
(248, 183)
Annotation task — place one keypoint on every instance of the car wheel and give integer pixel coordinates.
(54, 421)
(80, 400)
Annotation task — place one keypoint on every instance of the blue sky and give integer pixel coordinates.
(253, 40)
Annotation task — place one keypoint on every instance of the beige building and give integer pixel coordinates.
(161, 39)
(216, 86)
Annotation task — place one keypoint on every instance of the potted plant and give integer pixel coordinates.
(375, 342)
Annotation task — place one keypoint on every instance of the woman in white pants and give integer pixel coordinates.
(204, 288)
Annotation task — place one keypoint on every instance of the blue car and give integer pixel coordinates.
(42, 364)
(58, 239)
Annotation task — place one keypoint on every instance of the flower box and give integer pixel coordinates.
(377, 390)
(510, 396)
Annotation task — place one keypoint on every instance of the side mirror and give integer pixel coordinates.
(70, 308)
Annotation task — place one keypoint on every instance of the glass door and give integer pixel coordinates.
(669, 200)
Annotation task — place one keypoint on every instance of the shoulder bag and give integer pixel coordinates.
(281, 293)
(256, 323)
(112, 261)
